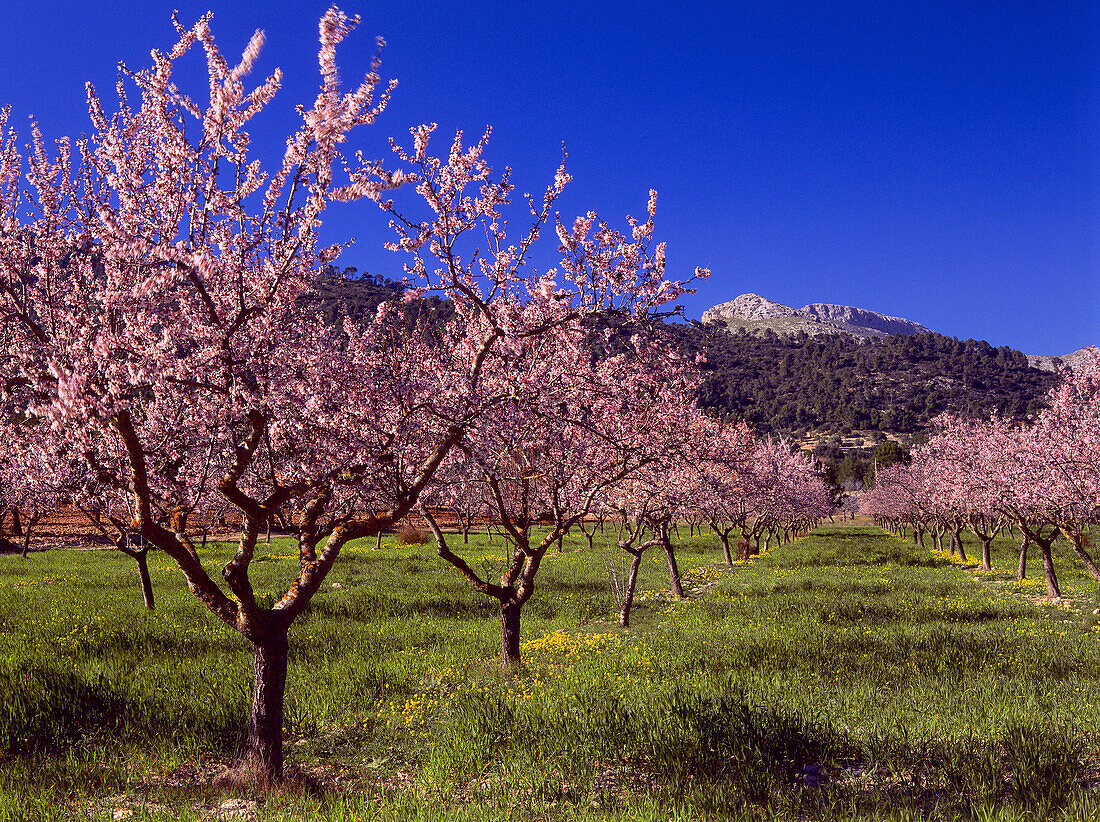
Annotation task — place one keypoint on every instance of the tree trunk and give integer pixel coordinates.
(726, 548)
(987, 561)
(1048, 569)
(265, 733)
(957, 536)
(509, 634)
(142, 560)
(673, 570)
(1021, 570)
(16, 523)
(628, 596)
(1078, 543)
(31, 522)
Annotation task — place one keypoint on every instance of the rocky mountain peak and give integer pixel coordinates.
(748, 307)
(862, 318)
(816, 318)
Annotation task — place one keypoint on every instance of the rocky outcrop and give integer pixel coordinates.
(861, 318)
(815, 318)
(748, 307)
(1076, 361)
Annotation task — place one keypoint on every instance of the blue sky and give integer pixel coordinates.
(938, 161)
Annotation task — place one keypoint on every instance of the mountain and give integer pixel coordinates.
(755, 313)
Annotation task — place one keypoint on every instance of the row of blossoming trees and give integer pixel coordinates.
(1041, 477)
(161, 359)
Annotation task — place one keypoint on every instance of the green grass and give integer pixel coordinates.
(847, 675)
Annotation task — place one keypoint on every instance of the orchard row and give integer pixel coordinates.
(1041, 477)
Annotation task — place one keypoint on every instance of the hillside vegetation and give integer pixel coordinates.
(793, 384)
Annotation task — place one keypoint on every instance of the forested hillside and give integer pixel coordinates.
(794, 384)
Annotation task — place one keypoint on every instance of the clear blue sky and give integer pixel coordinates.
(935, 160)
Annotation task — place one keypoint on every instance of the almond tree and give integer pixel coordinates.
(724, 468)
(37, 474)
(1042, 475)
(150, 284)
(799, 499)
(572, 431)
(967, 489)
(148, 291)
(885, 502)
(1068, 434)
(781, 493)
(983, 468)
(901, 496)
(692, 467)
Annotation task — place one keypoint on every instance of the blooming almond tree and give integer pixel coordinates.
(572, 431)
(967, 490)
(724, 465)
(981, 471)
(38, 475)
(147, 291)
(150, 285)
(649, 502)
(1068, 432)
(780, 492)
(901, 498)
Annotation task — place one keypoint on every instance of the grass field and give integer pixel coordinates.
(847, 675)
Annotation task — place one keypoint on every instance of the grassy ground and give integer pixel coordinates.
(848, 675)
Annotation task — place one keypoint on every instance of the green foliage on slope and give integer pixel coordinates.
(793, 384)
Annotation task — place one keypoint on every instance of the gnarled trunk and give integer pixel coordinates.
(1048, 569)
(142, 560)
(265, 732)
(957, 538)
(1078, 543)
(987, 561)
(628, 595)
(1021, 569)
(724, 536)
(509, 633)
(674, 583)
